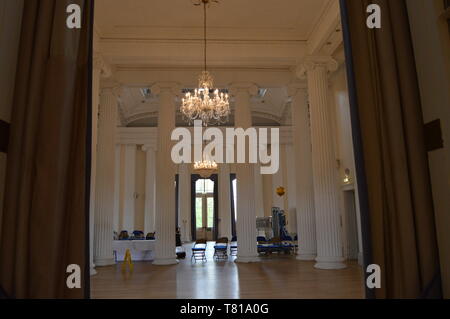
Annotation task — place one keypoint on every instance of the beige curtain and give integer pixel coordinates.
(400, 204)
(44, 220)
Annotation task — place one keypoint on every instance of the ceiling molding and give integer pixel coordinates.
(149, 135)
(140, 76)
(329, 22)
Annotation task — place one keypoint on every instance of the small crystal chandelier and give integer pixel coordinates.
(201, 104)
(205, 168)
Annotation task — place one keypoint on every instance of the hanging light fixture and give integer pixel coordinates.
(206, 167)
(204, 103)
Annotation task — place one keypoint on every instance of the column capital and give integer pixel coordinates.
(148, 147)
(244, 87)
(294, 88)
(166, 87)
(115, 90)
(99, 63)
(312, 62)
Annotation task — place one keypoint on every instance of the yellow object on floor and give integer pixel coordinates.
(127, 261)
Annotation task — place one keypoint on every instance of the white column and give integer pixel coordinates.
(129, 188)
(100, 69)
(96, 72)
(184, 202)
(104, 201)
(306, 224)
(117, 178)
(165, 176)
(150, 196)
(291, 189)
(259, 199)
(246, 217)
(328, 229)
(224, 201)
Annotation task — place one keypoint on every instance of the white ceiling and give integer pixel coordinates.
(258, 41)
(229, 19)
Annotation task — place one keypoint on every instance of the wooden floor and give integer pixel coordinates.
(278, 277)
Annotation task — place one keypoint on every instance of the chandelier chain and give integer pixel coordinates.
(204, 33)
(205, 103)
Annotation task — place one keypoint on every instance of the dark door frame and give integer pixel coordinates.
(215, 179)
(357, 147)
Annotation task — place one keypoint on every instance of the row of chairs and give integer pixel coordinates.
(275, 245)
(135, 235)
(220, 249)
(279, 245)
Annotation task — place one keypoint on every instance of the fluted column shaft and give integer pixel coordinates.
(245, 173)
(185, 202)
(259, 197)
(165, 177)
(150, 196)
(104, 201)
(117, 189)
(129, 185)
(306, 225)
(328, 228)
(291, 189)
(224, 201)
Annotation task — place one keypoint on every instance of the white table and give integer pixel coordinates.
(139, 249)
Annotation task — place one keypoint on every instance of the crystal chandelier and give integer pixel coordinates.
(205, 168)
(205, 103)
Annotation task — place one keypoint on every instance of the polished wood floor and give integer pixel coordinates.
(278, 277)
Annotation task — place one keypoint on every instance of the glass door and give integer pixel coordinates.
(204, 209)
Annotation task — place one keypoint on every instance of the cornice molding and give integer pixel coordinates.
(99, 63)
(148, 136)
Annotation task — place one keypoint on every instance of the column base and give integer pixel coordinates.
(306, 257)
(165, 261)
(360, 259)
(92, 270)
(328, 263)
(246, 260)
(102, 262)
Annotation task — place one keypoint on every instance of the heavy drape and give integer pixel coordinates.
(387, 101)
(44, 220)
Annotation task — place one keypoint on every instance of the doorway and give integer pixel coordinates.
(204, 207)
(351, 226)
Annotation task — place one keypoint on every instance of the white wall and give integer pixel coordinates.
(430, 35)
(344, 149)
(10, 22)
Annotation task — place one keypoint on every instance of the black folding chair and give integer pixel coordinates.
(233, 246)
(221, 249)
(199, 250)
